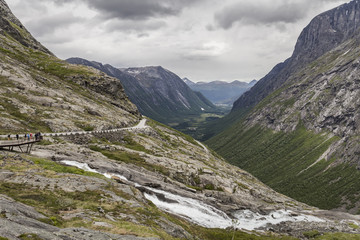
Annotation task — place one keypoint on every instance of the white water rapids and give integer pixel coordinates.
(205, 215)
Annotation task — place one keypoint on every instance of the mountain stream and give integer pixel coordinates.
(203, 214)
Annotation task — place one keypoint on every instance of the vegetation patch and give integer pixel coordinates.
(155, 125)
(228, 234)
(131, 158)
(29, 236)
(130, 143)
(338, 236)
(84, 126)
(60, 168)
(312, 234)
(354, 226)
(278, 159)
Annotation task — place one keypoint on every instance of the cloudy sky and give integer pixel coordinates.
(203, 40)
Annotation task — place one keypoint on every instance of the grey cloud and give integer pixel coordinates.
(135, 26)
(53, 23)
(61, 2)
(255, 13)
(135, 9)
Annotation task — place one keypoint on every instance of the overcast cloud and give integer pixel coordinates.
(203, 40)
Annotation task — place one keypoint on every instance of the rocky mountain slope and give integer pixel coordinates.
(165, 86)
(324, 33)
(220, 92)
(39, 92)
(142, 183)
(302, 139)
(157, 92)
(152, 183)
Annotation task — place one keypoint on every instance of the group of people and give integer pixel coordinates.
(28, 136)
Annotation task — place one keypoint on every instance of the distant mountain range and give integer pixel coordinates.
(157, 92)
(220, 92)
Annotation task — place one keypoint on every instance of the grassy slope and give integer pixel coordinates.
(277, 158)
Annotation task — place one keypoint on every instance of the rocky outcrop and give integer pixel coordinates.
(18, 221)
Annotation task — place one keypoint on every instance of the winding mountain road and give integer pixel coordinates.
(140, 125)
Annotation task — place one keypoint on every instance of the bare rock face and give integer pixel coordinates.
(327, 31)
(324, 33)
(324, 97)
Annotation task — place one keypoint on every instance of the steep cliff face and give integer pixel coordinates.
(302, 139)
(157, 92)
(325, 32)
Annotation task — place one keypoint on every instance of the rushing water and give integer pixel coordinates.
(205, 215)
(191, 209)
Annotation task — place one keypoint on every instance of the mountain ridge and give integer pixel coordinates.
(149, 87)
(308, 126)
(221, 92)
(333, 28)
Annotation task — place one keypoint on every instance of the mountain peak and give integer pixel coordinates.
(188, 81)
(327, 31)
(10, 25)
(324, 33)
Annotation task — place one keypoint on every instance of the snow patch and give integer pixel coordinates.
(133, 72)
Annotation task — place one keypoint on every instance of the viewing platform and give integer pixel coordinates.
(25, 146)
